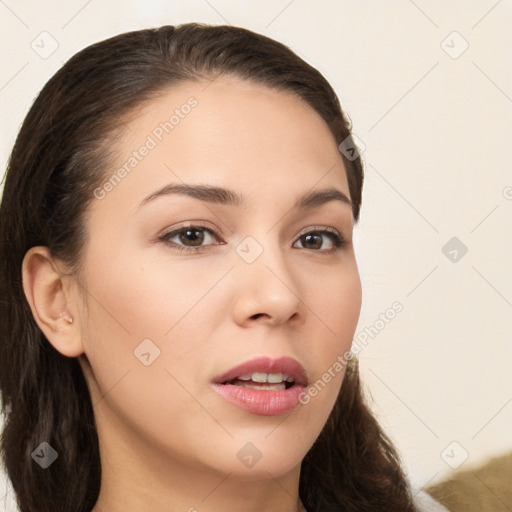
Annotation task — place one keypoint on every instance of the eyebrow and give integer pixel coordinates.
(223, 196)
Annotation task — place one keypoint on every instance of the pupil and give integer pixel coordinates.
(194, 238)
(319, 239)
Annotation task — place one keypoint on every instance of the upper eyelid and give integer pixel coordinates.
(319, 228)
(191, 225)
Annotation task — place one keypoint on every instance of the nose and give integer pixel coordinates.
(268, 290)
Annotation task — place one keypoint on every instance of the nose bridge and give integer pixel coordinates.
(267, 285)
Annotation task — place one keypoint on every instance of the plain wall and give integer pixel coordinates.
(436, 122)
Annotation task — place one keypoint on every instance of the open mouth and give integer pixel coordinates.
(263, 381)
(264, 386)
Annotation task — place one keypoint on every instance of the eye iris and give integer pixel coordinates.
(195, 239)
(309, 236)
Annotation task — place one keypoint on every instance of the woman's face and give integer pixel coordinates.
(172, 308)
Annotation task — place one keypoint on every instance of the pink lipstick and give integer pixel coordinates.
(263, 385)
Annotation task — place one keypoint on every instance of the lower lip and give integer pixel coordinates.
(265, 402)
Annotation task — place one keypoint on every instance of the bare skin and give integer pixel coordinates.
(168, 440)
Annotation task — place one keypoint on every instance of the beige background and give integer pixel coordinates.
(436, 122)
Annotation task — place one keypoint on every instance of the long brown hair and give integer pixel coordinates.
(59, 157)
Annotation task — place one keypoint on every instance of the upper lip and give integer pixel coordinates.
(286, 365)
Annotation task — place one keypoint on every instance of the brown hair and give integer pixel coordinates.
(59, 157)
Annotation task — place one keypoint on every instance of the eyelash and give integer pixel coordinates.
(337, 240)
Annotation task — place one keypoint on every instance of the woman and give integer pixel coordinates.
(179, 286)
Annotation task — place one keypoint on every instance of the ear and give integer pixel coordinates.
(52, 301)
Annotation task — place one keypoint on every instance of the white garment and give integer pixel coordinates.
(426, 503)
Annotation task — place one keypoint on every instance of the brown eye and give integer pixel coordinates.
(314, 240)
(195, 236)
(189, 238)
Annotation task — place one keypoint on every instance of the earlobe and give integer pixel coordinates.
(51, 301)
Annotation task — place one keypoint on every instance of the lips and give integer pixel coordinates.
(258, 386)
(291, 370)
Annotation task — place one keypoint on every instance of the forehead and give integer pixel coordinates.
(233, 113)
(231, 133)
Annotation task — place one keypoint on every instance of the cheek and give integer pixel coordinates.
(154, 301)
(160, 307)
(147, 297)
(334, 305)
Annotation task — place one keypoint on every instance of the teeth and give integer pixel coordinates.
(272, 378)
(275, 377)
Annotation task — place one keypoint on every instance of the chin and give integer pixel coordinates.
(247, 460)
(265, 469)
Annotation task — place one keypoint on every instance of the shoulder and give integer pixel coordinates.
(425, 503)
